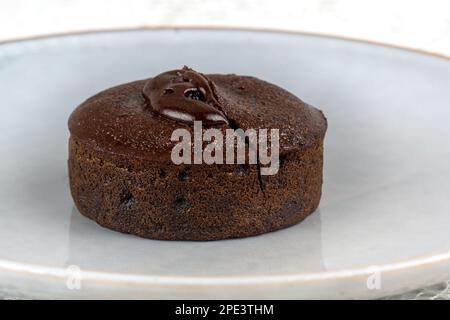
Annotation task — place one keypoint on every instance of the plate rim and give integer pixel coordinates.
(171, 281)
(193, 27)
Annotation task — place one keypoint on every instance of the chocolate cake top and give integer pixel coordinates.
(138, 118)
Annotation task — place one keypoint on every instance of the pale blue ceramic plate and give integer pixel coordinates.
(383, 223)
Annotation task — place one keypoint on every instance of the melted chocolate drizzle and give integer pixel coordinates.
(185, 95)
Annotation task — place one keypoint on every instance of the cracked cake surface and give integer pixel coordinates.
(121, 173)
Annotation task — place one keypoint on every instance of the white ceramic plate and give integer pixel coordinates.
(385, 212)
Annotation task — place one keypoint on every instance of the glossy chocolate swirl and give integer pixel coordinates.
(184, 95)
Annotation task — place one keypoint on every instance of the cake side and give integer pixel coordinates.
(179, 202)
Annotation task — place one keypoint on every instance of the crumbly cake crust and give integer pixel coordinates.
(122, 177)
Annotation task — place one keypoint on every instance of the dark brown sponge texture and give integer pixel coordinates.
(122, 177)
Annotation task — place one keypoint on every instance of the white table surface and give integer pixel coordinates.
(412, 23)
(418, 24)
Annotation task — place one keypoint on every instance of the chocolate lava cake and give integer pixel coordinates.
(123, 177)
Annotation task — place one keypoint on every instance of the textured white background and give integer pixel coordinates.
(420, 24)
